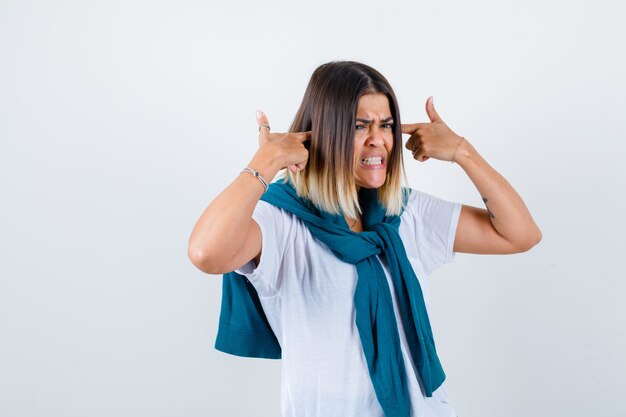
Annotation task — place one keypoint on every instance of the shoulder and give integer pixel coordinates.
(428, 225)
(420, 202)
(271, 212)
(274, 221)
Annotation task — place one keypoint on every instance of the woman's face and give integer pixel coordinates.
(373, 140)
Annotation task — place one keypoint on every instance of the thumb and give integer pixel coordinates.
(264, 125)
(430, 110)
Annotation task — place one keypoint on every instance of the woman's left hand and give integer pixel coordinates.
(434, 139)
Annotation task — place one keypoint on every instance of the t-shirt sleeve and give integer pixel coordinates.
(433, 222)
(273, 222)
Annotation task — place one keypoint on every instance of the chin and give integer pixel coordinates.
(371, 178)
(371, 184)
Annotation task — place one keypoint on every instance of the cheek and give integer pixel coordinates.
(358, 145)
(389, 141)
(360, 135)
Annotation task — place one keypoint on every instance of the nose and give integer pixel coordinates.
(375, 137)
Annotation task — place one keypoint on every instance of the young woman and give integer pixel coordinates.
(327, 267)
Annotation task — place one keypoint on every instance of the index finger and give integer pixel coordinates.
(302, 136)
(409, 128)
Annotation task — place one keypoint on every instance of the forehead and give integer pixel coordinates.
(373, 105)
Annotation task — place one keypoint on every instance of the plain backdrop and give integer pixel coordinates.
(120, 121)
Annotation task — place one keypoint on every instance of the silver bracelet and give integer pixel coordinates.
(256, 174)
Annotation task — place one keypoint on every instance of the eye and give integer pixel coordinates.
(388, 125)
(359, 126)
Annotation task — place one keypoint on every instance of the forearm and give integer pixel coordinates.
(222, 228)
(506, 209)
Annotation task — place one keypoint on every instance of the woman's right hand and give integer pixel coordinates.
(287, 148)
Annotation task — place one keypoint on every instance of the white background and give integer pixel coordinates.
(120, 121)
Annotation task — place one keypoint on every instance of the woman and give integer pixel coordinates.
(327, 267)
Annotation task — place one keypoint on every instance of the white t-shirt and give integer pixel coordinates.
(307, 294)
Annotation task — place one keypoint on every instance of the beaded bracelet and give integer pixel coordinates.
(256, 174)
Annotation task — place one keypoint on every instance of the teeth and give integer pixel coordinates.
(373, 160)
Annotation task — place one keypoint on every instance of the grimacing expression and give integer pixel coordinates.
(373, 140)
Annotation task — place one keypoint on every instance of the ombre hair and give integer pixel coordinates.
(328, 110)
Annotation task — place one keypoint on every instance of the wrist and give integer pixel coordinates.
(464, 152)
(266, 165)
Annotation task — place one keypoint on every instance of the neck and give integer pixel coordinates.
(354, 224)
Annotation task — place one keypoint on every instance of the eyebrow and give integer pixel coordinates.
(388, 119)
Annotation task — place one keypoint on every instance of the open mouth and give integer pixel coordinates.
(373, 161)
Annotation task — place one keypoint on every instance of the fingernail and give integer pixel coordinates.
(259, 114)
(432, 99)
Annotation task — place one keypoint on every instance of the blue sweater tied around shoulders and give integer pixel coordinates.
(244, 329)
